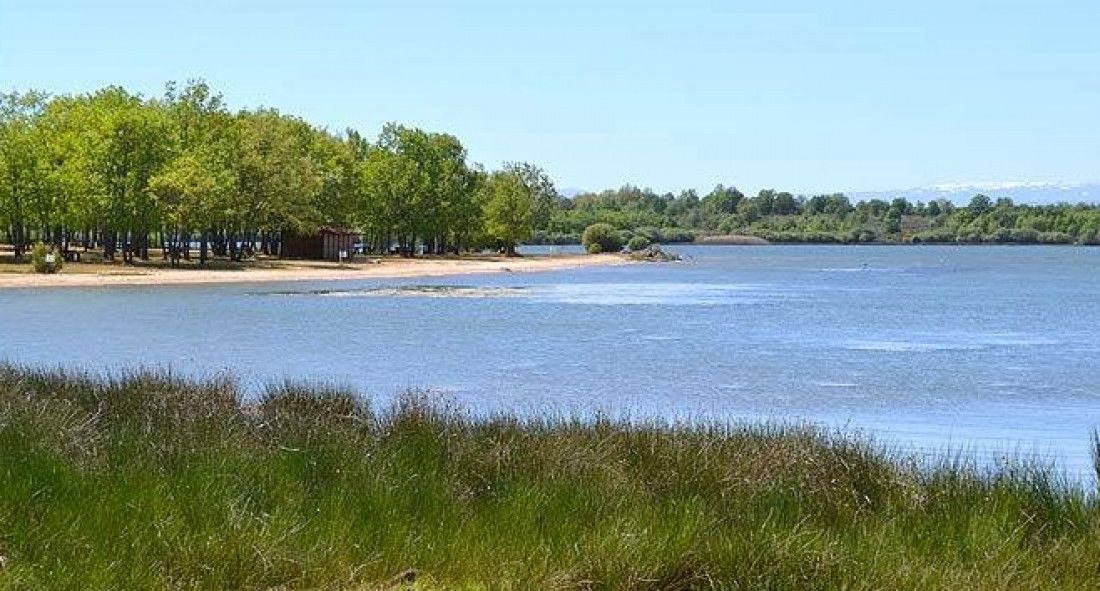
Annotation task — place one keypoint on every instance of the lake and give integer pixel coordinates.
(990, 350)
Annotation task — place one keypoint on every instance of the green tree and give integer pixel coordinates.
(23, 171)
(891, 222)
(541, 186)
(721, 201)
(385, 179)
(509, 209)
(126, 146)
(980, 204)
(276, 180)
(187, 192)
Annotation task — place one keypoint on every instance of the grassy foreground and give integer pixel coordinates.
(156, 482)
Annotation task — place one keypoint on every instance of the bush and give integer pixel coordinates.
(1000, 236)
(1055, 238)
(1025, 236)
(39, 255)
(625, 236)
(969, 237)
(867, 235)
(795, 237)
(936, 236)
(651, 233)
(599, 238)
(638, 242)
(669, 235)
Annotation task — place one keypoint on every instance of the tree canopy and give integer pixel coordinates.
(113, 170)
(783, 217)
(120, 172)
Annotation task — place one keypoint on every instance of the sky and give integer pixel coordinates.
(800, 95)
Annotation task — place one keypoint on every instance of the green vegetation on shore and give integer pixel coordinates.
(125, 174)
(155, 482)
(783, 217)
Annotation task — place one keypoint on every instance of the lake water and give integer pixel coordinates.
(992, 350)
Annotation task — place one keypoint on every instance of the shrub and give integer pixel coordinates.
(936, 236)
(867, 235)
(891, 225)
(1025, 236)
(651, 233)
(638, 242)
(1055, 238)
(970, 236)
(599, 238)
(668, 235)
(39, 254)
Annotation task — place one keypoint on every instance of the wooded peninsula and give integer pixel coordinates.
(115, 171)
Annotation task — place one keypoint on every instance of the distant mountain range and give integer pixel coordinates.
(1037, 193)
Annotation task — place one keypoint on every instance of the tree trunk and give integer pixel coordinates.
(143, 244)
(110, 242)
(203, 247)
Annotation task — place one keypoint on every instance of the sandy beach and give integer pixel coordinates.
(106, 276)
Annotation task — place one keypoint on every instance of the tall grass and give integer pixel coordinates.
(156, 482)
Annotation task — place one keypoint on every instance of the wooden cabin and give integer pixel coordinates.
(325, 245)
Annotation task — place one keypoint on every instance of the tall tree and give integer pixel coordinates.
(542, 189)
(187, 192)
(509, 209)
(23, 171)
(276, 179)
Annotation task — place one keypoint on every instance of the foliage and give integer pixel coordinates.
(120, 171)
(783, 217)
(638, 242)
(509, 208)
(152, 482)
(45, 258)
(601, 237)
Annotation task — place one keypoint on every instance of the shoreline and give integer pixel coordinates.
(111, 276)
(753, 241)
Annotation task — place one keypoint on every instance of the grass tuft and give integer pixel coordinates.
(149, 481)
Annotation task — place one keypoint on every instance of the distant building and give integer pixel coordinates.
(325, 245)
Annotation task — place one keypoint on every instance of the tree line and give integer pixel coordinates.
(115, 171)
(784, 217)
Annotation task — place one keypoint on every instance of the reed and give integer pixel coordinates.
(155, 482)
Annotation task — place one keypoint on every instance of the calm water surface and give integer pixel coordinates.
(993, 350)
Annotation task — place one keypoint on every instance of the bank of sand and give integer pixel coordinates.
(105, 276)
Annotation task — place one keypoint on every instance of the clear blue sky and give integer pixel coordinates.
(804, 95)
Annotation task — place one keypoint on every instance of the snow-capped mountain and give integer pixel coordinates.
(1040, 193)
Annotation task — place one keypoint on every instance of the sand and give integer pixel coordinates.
(106, 276)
